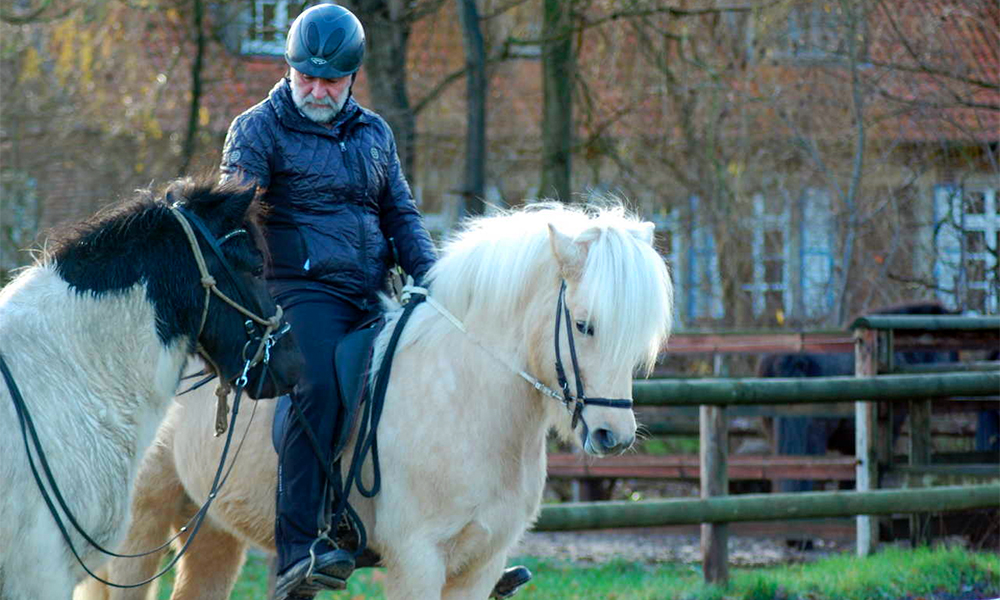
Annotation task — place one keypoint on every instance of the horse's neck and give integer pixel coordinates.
(104, 347)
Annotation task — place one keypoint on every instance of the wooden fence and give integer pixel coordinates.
(874, 342)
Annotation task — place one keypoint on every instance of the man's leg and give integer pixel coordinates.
(318, 321)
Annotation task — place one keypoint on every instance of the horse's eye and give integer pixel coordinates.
(585, 328)
(257, 271)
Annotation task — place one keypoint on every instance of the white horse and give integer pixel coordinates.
(95, 337)
(462, 437)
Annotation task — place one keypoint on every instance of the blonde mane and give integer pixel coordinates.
(488, 269)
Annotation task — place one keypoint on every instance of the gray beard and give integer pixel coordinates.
(320, 115)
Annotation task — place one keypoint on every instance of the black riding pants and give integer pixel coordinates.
(319, 320)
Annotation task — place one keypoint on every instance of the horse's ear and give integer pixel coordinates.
(644, 232)
(241, 196)
(571, 254)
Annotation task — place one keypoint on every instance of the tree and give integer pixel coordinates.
(558, 77)
(476, 87)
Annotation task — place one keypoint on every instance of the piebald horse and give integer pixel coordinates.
(94, 338)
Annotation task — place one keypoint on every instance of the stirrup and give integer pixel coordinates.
(311, 575)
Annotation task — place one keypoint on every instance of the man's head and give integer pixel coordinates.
(324, 48)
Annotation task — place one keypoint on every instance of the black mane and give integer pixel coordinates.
(140, 241)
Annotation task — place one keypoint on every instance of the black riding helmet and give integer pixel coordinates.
(325, 41)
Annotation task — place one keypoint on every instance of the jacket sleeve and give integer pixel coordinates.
(401, 221)
(247, 151)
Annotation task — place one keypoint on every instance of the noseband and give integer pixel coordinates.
(273, 328)
(576, 404)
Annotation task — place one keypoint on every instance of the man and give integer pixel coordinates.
(337, 194)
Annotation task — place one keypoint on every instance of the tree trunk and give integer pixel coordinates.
(387, 30)
(558, 73)
(475, 130)
(191, 138)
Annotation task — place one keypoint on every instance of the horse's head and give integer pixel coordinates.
(610, 318)
(237, 327)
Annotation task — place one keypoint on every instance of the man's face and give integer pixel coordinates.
(319, 99)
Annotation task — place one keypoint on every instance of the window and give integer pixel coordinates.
(668, 244)
(703, 283)
(267, 22)
(813, 31)
(816, 254)
(770, 290)
(966, 231)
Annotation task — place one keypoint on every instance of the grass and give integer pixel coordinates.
(889, 575)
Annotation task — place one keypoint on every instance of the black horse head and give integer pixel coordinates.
(144, 242)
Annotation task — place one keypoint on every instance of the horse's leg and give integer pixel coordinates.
(211, 565)
(159, 508)
(476, 582)
(415, 569)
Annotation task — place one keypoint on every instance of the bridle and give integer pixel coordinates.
(573, 403)
(576, 404)
(270, 330)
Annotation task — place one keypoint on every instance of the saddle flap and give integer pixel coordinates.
(351, 362)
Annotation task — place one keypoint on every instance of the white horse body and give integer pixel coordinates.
(97, 383)
(462, 437)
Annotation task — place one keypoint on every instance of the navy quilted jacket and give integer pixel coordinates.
(336, 196)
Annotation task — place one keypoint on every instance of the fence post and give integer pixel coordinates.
(920, 454)
(865, 418)
(713, 450)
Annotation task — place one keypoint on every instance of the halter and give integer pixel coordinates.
(273, 328)
(574, 404)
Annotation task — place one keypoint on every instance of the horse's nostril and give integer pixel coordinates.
(606, 440)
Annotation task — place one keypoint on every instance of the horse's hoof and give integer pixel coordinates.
(330, 572)
(511, 581)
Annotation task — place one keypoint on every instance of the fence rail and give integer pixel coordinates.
(764, 507)
(811, 390)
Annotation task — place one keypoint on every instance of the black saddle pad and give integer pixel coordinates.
(351, 363)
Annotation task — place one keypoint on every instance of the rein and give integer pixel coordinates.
(273, 330)
(573, 404)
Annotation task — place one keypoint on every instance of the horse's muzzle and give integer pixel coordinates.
(604, 441)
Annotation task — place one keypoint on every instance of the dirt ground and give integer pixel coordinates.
(648, 548)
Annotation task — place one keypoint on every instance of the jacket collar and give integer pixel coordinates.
(290, 117)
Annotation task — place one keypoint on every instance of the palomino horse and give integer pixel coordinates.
(462, 436)
(95, 337)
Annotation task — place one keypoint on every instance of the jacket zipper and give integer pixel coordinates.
(361, 229)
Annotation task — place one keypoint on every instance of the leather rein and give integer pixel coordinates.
(271, 330)
(573, 403)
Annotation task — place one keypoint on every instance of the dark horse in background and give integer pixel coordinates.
(815, 435)
(802, 435)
